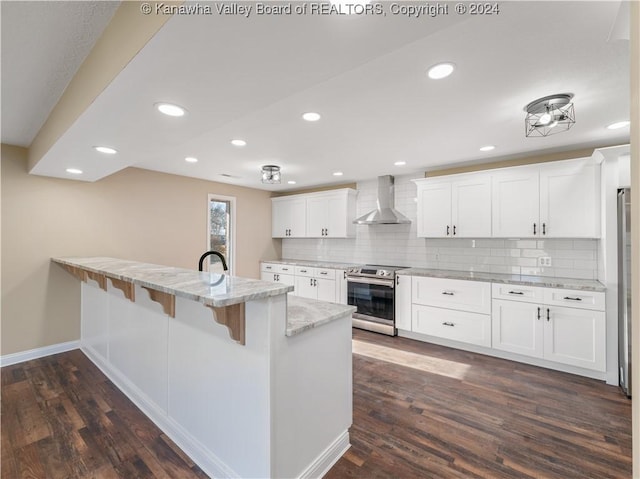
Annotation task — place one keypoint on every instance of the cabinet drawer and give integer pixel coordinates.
(460, 326)
(305, 271)
(323, 273)
(269, 267)
(574, 298)
(516, 292)
(472, 296)
(285, 268)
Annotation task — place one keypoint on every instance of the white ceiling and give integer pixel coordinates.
(43, 44)
(253, 77)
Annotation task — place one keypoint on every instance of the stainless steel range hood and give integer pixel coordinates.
(385, 213)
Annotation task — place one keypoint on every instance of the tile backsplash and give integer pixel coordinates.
(398, 245)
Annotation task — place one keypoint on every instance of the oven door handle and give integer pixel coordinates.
(380, 282)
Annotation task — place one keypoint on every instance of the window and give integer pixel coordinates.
(221, 236)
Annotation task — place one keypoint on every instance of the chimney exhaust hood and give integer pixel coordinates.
(385, 213)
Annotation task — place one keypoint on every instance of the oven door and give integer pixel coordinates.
(373, 298)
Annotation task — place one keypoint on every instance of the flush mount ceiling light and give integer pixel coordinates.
(238, 142)
(106, 150)
(619, 124)
(191, 159)
(400, 163)
(311, 116)
(337, 173)
(291, 182)
(74, 171)
(549, 115)
(487, 148)
(271, 174)
(170, 109)
(441, 70)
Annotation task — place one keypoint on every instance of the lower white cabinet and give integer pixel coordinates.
(324, 284)
(567, 335)
(452, 309)
(403, 302)
(473, 328)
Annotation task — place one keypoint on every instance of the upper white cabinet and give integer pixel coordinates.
(288, 217)
(327, 214)
(455, 207)
(550, 200)
(331, 214)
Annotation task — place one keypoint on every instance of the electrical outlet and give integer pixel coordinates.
(544, 260)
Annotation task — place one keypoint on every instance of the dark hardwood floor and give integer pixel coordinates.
(451, 414)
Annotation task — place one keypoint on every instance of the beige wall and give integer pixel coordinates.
(134, 214)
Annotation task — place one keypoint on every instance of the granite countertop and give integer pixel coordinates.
(313, 264)
(526, 280)
(304, 313)
(208, 288)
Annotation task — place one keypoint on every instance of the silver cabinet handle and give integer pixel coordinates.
(446, 323)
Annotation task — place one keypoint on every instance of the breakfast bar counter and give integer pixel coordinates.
(247, 381)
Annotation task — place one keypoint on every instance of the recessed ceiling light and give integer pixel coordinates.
(311, 116)
(74, 171)
(337, 173)
(105, 149)
(441, 70)
(291, 182)
(619, 124)
(238, 142)
(400, 163)
(191, 159)
(170, 109)
(487, 148)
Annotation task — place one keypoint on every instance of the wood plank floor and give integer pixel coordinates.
(420, 411)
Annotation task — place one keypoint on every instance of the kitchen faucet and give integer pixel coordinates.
(209, 253)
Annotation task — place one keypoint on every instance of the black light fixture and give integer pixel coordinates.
(549, 115)
(271, 174)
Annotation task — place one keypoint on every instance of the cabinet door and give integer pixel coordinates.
(288, 218)
(325, 290)
(304, 287)
(518, 327)
(341, 286)
(515, 203)
(403, 302)
(570, 200)
(336, 223)
(317, 217)
(471, 207)
(575, 336)
(434, 210)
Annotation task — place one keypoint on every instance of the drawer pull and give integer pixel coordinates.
(324, 272)
(572, 299)
(285, 269)
(538, 313)
(303, 270)
(448, 293)
(516, 292)
(446, 323)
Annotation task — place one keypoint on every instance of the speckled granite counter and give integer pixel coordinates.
(313, 264)
(305, 313)
(542, 281)
(207, 288)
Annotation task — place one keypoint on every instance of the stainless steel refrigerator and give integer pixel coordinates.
(624, 289)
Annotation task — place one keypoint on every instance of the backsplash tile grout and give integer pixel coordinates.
(398, 245)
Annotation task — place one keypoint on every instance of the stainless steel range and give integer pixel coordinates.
(371, 289)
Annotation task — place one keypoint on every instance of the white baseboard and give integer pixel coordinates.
(15, 358)
(328, 458)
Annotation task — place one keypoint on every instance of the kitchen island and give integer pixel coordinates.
(248, 382)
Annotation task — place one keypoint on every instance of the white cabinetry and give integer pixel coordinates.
(564, 326)
(551, 200)
(325, 284)
(458, 206)
(452, 309)
(331, 214)
(327, 214)
(278, 273)
(403, 302)
(288, 217)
